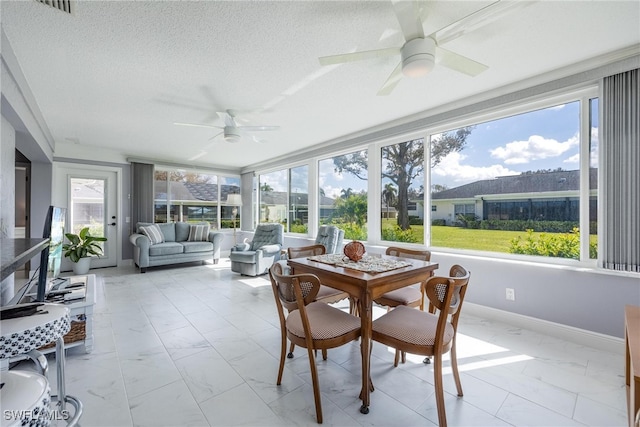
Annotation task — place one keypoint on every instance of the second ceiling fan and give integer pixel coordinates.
(231, 131)
(421, 53)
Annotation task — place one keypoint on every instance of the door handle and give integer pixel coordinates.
(113, 223)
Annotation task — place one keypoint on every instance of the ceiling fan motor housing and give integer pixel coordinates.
(418, 57)
(231, 134)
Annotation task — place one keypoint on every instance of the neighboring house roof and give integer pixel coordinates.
(523, 183)
(191, 191)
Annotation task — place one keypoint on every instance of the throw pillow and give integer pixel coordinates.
(153, 233)
(198, 233)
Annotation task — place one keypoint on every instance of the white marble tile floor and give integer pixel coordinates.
(199, 346)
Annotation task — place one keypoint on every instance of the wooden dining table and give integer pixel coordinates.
(365, 287)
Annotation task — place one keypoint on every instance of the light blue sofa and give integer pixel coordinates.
(176, 247)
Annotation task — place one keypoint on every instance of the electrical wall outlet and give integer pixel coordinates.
(511, 294)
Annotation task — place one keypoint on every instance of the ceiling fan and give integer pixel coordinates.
(232, 131)
(420, 53)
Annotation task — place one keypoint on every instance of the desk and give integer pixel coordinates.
(365, 287)
(81, 314)
(632, 365)
(16, 252)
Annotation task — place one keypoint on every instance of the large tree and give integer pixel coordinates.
(404, 162)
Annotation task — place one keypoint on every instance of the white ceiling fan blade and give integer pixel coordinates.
(215, 136)
(358, 56)
(479, 18)
(197, 156)
(258, 128)
(409, 18)
(197, 125)
(458, 62)
(392, 81)
(258, 140)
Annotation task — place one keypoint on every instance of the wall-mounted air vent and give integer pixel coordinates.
(62, 5)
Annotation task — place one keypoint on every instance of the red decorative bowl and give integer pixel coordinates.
(354, 251)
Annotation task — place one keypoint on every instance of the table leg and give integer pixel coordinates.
(366, 307)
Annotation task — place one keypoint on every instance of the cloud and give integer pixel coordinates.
(452, 170)
(573, 159)
(535, 148)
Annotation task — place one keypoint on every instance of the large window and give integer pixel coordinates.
(284, 198)
(593, 178)
(192, 196)
(273, 197)
(343, 193)
(299, 199)
(512, 185)
(402, 207)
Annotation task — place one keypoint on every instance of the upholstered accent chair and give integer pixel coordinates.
(255, 258)
(331, 238)
(308, 323)
(429, 333)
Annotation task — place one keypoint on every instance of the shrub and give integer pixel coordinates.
(396, 234)
(565, 245)
(299, 228)
(415, 220)
(440, 222)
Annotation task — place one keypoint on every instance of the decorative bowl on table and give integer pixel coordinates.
(354, 251)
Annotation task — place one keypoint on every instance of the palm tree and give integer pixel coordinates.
(345, 193)
(389, 196)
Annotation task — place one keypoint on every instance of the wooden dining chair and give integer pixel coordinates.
(309, 323)
(326, 294)
(408, 296)
(429, 334)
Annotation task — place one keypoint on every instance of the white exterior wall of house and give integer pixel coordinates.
(445, 208)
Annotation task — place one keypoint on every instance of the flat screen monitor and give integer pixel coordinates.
(51, 258)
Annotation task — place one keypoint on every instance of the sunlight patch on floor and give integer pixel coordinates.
(255, 282)
(469, 347)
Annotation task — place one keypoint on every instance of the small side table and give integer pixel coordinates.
(23, 334)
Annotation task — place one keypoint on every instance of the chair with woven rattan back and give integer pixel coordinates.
(308, 323)
(326, 294)
(429, 334)
(408, 296)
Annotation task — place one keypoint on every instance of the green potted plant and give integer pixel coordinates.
(80, 248)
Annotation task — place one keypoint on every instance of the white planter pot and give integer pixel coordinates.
(82, 266)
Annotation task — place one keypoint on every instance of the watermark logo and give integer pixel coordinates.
(33, 414)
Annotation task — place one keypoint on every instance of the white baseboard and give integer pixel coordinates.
(569, 333)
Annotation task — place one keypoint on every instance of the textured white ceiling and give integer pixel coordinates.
(116, 75)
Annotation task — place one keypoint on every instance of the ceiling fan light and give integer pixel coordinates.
(417, 67)
(418, 57)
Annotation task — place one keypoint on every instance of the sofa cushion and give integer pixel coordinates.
(153, 233)
(191, 247)
(167, 248)
(168, 230)
(198, 233)
(182, 231)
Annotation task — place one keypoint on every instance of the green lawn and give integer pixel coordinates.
(465, 238)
